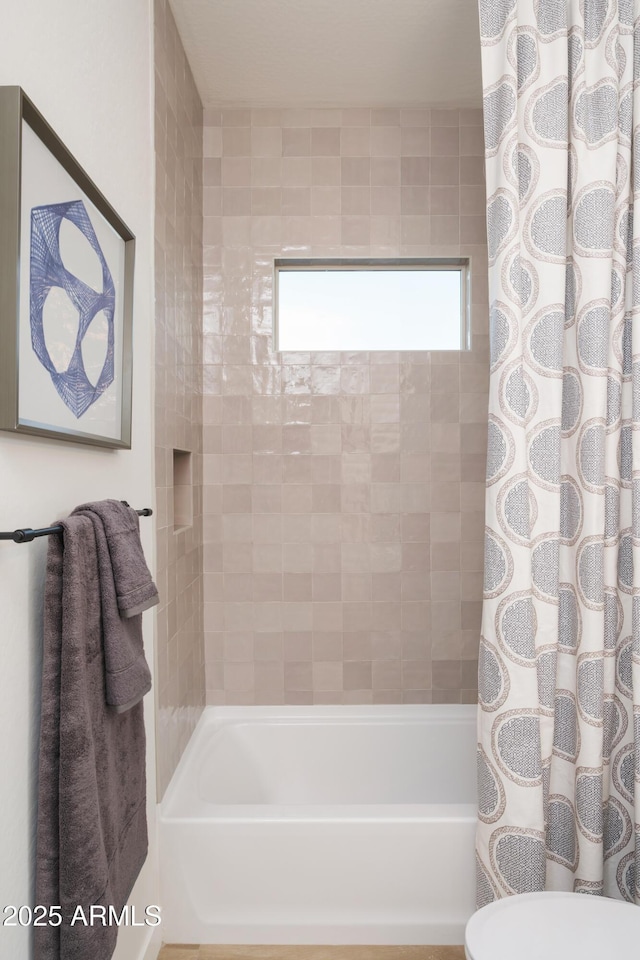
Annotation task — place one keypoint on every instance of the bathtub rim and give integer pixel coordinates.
(388, 813)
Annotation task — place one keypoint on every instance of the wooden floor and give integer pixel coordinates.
(194, 952)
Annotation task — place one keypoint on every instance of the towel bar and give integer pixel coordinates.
(27, 534)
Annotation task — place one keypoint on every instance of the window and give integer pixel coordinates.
(364, 305)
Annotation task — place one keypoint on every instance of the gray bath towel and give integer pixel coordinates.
(125, 576)
(135, 589)
(92, 829)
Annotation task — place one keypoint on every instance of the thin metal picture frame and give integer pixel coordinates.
(16, 108)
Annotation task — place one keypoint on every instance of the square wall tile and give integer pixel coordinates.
(346, 563)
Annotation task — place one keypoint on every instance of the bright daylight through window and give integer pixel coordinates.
(364, 305)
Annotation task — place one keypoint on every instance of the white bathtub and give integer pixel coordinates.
(326, 825)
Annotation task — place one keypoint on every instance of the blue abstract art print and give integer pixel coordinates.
(48, 272)
(66, 288)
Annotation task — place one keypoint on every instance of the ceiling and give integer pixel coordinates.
(326, 52)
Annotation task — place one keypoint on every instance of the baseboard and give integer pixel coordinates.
(151, 949)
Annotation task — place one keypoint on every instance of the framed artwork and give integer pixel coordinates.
(66, 290)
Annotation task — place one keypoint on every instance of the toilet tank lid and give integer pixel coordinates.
(554, 926)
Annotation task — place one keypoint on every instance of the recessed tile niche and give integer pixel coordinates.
(182, 490)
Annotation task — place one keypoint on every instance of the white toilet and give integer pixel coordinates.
(554, 926)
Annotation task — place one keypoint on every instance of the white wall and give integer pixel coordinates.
(86, 64)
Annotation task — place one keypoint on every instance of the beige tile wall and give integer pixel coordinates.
(178, 400)
(343, 493)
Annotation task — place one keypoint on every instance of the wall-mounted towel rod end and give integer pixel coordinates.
(26, 535)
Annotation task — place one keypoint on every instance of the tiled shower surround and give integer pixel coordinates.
(180, 688)
(343, 493)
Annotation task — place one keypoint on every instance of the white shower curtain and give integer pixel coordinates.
(559, 711)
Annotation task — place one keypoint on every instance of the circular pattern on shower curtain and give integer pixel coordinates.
(559, 711)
